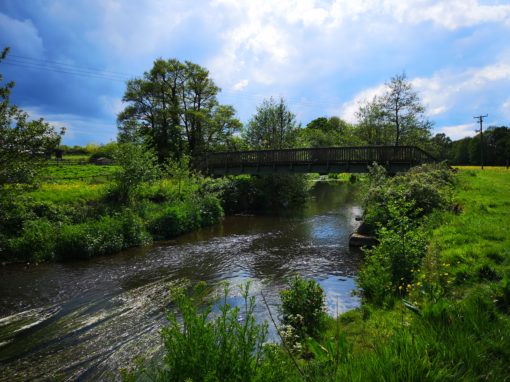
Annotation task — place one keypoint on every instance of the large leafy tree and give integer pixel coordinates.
(397, 117)
(24, 143)
(272, 127)
(404, 111)
(174, 109)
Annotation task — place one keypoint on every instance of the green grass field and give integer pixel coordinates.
(75, 172)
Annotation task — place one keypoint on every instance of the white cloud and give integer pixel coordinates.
(22, 36)
(458, 131)
(78, 129)
(241, 85)
(348, 109)
(445, 91)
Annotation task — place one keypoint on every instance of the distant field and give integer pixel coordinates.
(76, 172)
(491, 168)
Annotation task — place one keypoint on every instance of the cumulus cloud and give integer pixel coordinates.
(446, 91)
(22, 35)
(458, 131)
(348, 109)
(78, 129)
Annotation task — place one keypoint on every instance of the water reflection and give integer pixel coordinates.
(84, 320)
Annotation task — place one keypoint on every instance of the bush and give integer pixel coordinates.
(223, 347)
(36, 242)
(274, 193)
(188, 215)
(427, 187)
(100, 237)
(103, 151)
(303, 307)
(137, 164)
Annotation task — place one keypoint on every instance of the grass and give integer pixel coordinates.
(73, 172)
(72, 192)
(462, 330)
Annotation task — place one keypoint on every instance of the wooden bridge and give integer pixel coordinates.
(314, 160)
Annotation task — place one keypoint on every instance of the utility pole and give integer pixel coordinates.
(480, 120)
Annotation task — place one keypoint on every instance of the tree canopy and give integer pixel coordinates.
(272, 127)
(174, 109)
(397, 117)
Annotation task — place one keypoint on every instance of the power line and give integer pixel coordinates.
(63, 71)
(87, 72)
(59, 63)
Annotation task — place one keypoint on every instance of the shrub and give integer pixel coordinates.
(264, 193)
(211, 211)
(133, 230)
(93, 238)
(427, 187)
(36, 242)
(303, 307)
(180, 217)
(137, 164)
(223, 347)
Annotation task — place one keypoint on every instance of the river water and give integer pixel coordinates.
(86, 320)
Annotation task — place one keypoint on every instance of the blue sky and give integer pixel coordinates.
(70, 59)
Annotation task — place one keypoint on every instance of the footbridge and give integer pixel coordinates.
(314, 160)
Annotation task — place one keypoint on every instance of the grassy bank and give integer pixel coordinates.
(81, 211)
(452, 322)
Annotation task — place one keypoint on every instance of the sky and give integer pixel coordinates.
(70, 59)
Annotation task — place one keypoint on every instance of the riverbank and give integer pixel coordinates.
(86, 319)
(72, 219)
(453, 321)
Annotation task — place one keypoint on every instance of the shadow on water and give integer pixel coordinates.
(85, 320)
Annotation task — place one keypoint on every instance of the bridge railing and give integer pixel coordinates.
(319, 156)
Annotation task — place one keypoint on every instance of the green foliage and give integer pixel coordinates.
(24, 143)
(272, 127)
(327, 132)
(428, 187)
(36, 241)
(103, 151)
(303, 307)
(104, 236)
(395, 208)
(265, 193)
(226, 346)
(184, 216)
(397, 117)
(136, 164)
(179, 170)
(160, 113)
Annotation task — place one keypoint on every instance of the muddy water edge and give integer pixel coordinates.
(86, 320)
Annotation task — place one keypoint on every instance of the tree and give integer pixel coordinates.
(404, 111)
(373, 127)
(137, 165)
(173, 108)
(272, 127)
(24, 144)
(440, 146)
(326, 132)
(397, 117)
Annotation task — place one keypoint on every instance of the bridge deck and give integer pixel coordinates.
(321, 160)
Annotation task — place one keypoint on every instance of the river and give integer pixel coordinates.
(85, 320)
